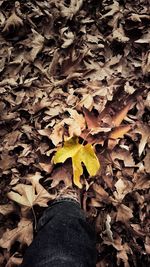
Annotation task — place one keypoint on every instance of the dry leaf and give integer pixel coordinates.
(87, 102)
(67, 37)
(77, 68)
(7, 161)
(147, 161)
(124, 213)
(70, 11)
(14, 261)
(37, 42)
(124, 155)
(61, 174)
(47, 167)
(22, 233)
(57, 134)
(13, 21)
(147, 245)
(101, 194)
(120, 131)
(108, 228)
(119, 35)
(145, 134)
(30, 195)
(7, 208)
(123, 187)
(123, 255)
(91, 120)
(119, 117)
(141, 181)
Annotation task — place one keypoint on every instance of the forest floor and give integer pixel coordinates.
(76, 70)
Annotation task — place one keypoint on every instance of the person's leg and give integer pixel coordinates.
(64, 238)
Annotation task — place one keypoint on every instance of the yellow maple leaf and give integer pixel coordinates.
(78, 153)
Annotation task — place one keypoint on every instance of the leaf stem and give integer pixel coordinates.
(35, 219)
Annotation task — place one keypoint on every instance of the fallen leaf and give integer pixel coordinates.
(79, 154)
(91, 120)
(37, 42)
(71, 10)
(124, 155)
(13, 21)
(108, 228)
(119, 35)
(124, 213)
(141, 181)
(144, 130)
(111, 10)
(122, 255)
(119, 117)
(61, 174)
(123, 187)
(57, 134)
(87, 102)
(67, 37)
(147, 244)
(77, 117)
(30, 195)
(120, 131)
(7, 161)
(7, 208)
(147, 161)
(45, 132)
(14, 260)
(145, 39)
(22, 233)
(100, 192)
(47, 167)
(128, 88)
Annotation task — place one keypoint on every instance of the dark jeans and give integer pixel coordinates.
(64, 238)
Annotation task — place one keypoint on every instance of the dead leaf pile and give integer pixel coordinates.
(74, 109)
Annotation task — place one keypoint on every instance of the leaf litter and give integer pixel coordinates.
(75, 85)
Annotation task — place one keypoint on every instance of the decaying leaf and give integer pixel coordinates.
(79, 154)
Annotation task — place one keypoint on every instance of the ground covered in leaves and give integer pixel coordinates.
(76, 69)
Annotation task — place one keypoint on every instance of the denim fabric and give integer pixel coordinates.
(64, 238)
